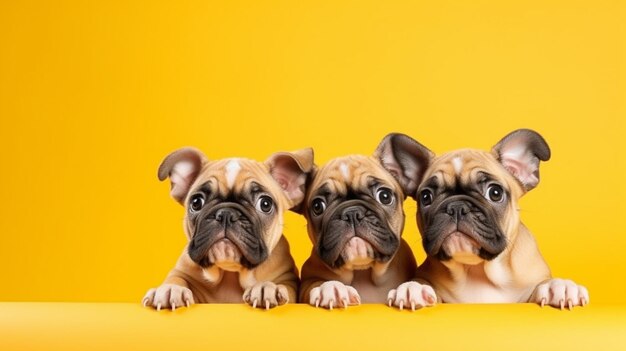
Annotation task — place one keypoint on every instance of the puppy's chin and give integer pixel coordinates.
(225, 255)
(357, 254)
(462, 248)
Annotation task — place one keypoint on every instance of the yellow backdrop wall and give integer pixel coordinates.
(94, 94)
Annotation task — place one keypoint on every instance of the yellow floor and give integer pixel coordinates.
(117, 326)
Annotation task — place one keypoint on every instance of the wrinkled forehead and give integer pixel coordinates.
(236, 175)
(464, 166)
(347, 173)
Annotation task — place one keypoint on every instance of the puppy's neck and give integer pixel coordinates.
(494, 272)
(375, 271)
(215, 274)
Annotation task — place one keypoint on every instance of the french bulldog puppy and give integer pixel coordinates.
(233, 222)
(354, 215)
(478, 250)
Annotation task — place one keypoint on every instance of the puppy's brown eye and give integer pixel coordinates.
(265, 204)
(426, 197)
(318, 206)
(196, 203)
(495, 193)
(384, 196)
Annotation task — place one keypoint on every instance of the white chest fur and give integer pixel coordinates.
(486, 282)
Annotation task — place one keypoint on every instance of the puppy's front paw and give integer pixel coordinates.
(412, 294)
(560, 293)
(333, 293)
(266, 295)
(168, 296)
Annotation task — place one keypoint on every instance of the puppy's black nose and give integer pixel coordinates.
(227, 215)
(458, 209)
(353, 214)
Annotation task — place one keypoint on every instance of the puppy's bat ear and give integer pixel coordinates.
(182, 167)
(520, 152)
(291, 171)
(405, 159)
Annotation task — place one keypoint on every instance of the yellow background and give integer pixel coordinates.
(94, 94)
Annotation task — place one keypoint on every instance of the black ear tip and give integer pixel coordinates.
(161, 174)
(538, 144)
(190, 153)
(164, 169)
(399, 137)
(402, 139)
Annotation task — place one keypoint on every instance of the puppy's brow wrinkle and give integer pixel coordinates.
(432, 183)
(256, 188)
(205, 187)
(373, 181)
(323, 191)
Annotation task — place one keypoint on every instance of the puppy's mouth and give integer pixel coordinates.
(464, 245)
(358, 253)
(227, 239)
(354, 236)
(461, 247)
(225, 254)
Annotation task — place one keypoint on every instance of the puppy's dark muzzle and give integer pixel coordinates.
(465, 214)
(355, 218)
(228, 221)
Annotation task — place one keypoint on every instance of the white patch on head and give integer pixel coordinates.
(457, 162)
(345, 171)
(232, 170)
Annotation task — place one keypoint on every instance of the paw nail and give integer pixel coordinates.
(254, 303)
(401, 305)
